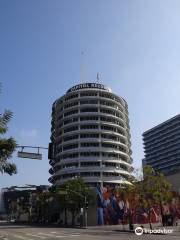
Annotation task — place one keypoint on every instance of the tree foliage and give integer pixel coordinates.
(154, 188)
(72, 197)
(7, 145)
(77, 191)
(149, 188)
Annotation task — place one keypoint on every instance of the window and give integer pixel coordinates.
(69, 138)
(70, 112)
(68, 147)
(108, 111)
(111, 120)
(91, 94)
(106, 95)
(70, 155)
(70, 104)
(90, 101)
(70, 120)
(89, 118)
(89, 135)
(70, 129)
(109, 145)
(89, 154)
(71, 97)
(89, 126)
(113, 155)
(89, 110)
(90, 174)
(90, 144)
(89, 164)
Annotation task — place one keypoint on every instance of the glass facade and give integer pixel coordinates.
(162, 146)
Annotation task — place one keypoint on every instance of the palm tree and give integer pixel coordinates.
(7, 145)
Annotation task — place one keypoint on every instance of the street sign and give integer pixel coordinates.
(30, 155)
(63, 192)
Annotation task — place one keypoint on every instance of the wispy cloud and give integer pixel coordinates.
(31, 133)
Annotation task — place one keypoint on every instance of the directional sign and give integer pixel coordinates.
(29, 155)
(63, 192)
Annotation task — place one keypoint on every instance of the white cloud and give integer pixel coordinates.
(31, 133)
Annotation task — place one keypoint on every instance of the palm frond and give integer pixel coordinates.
(7, 146)
(4, 119)
(9, 168)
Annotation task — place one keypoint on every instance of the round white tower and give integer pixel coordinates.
(90, 137)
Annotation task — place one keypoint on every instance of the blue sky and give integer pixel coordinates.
(132, 44)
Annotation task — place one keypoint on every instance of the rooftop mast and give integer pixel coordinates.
(83, 69)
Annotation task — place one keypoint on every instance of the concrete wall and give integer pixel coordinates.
(2, 208)
(91, 217)
(174, 179)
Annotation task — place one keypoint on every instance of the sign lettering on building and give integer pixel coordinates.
(88, 85)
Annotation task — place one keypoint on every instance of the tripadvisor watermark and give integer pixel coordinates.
(139, 231)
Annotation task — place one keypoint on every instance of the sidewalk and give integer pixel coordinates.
(103, 228)
(126, 227)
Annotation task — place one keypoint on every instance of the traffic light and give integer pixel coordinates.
(53, 189)
(86, 204)
(51, 151)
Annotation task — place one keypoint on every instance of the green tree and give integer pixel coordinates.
(7, 145)
(154, 188)
(77, 192)
(43, 204)
(63, 198)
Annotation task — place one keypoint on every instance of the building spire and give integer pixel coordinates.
(83, 70)
(97, 78)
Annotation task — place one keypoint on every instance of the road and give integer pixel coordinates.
(15, 232)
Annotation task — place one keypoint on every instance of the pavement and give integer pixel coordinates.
(25, 232)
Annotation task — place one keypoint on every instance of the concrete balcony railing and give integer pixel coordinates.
(96, 159)
(93, 179)
(101, 169)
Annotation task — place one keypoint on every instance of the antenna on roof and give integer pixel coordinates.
(83, 72)
(97, 78)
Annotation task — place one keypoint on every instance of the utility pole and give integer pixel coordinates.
(85, 211)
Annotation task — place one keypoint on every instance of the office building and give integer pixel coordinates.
(90, 137)
(162, 149)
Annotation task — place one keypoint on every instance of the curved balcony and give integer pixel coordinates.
(113, 109)
(115, 180)
(92, 150)
(51, 171)
(95, 159)
(51, 180)
(52, 162)
(102, 169)
(112, 101)
(92, 113)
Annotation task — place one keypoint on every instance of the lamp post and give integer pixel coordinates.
(85, 212)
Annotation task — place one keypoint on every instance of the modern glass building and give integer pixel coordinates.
(90, 137)
(162, 146)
